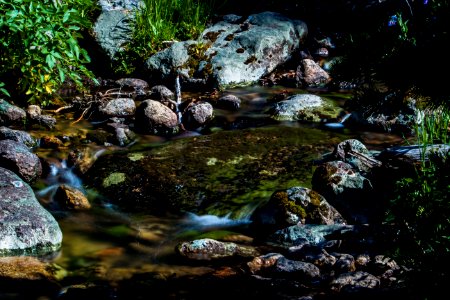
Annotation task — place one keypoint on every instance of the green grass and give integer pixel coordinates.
(160, 21)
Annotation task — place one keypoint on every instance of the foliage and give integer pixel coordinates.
(421, 207)
(401, 49)
(158, 22)
(39, 46)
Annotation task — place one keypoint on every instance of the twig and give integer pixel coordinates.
(84, 113)
(63, 108)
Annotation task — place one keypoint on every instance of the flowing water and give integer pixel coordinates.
(114, 245)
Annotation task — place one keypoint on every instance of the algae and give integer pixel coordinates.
(114, 178)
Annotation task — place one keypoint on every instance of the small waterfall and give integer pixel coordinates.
(339, 124)
(58, 175)
(178, 98)
(194, 221)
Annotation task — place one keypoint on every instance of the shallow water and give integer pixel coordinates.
(114, 245)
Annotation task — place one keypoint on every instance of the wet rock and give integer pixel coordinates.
(18, 158)
(356, 154)
(35, 117)
(154, 117)
(347, 190)
(18, 136)
(296, 205)
(11, 114)
(120, 134)
(197, 115)
(310, 74)
(303, 107)
(320, 258)
(119, 107)
(25, 227)
(140, 86)
(82, 159)
(161, 93)
(263, 262)
(229, 102)
(46, 121)
(51, 142)
(34, 111)
(345, 263)
(207, 249)
(302, 271)
(29, 277)
(307, 234)
(354, 281)
(71, 198)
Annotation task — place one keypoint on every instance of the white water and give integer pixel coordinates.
(58, 175)
(212, 221)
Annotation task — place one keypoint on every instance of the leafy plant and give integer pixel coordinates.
(159, 22)
(421, 208)
(39, 46)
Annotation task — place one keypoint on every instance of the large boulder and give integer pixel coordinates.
(25, 227)
(230, 54)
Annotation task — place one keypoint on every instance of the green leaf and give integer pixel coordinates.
(62, 76)
(50, 61)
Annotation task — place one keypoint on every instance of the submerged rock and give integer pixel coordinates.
(25, 227)
(199, 174)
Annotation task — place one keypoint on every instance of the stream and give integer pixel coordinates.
(111, 244)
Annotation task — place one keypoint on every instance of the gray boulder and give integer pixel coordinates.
(18, 158)
(11, 114)
(25, 227)
(18, 136)
(229, 54)
(119, 107)
(303, 107)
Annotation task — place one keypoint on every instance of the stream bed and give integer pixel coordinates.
(226, 170)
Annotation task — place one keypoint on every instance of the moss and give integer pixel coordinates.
(283, 199)
(136, 156)
(114, 178)
(197, 53)
(315, 198)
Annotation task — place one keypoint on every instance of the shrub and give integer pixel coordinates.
(39, 46)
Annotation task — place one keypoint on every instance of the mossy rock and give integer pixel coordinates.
(216, 173)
